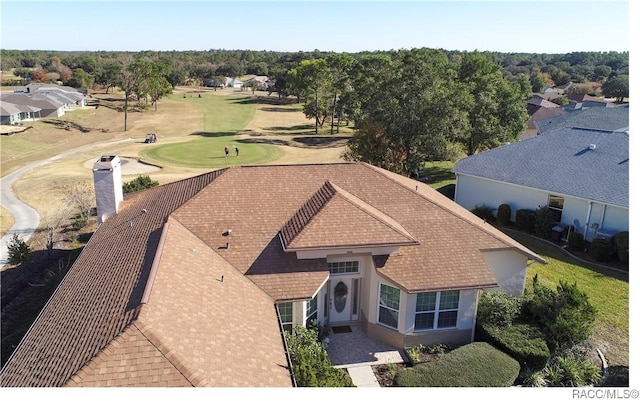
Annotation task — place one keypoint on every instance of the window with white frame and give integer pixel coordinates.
(312, 310)
(556, 204)
(435, 310)
(285, 310)
(343, 267)
(389, 306)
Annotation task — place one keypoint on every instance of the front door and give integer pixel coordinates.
(340, 300)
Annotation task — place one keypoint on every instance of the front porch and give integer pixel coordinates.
(354, 348)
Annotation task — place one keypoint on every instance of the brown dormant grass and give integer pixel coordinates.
(43, 187)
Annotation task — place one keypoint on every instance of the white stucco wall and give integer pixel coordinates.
(510, 269)
(475, 191)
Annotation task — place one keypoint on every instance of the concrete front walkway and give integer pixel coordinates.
(357, 353)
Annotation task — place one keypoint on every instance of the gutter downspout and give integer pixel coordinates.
(586, 225)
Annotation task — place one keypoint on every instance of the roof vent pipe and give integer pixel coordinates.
(592, 146)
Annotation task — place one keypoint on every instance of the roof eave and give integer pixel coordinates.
(347, 246)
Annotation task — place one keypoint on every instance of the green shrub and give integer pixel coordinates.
(18, 250)
(79, 222)
(544, 222)
(525, 220)
(416, 352)
(601, 250)
(473, 365)
(568, 370)
(483, 212)
(575, 242)
(523, 342)
(504, 214)
(497, 308)
(622, 244)
(138, 184)
(310, 361)
(565, 316)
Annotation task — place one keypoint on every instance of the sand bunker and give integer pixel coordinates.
(130, 166)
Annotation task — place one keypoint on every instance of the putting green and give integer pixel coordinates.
(209, 153)
(223, 117)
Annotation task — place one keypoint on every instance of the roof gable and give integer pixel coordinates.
(334, 218)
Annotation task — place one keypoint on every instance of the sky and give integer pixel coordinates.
(539, 26)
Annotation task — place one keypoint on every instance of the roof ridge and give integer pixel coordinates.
(306, 212)
(517, 245)
(192, 375)
(374, 212)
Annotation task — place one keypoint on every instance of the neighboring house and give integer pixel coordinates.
(611, 119)
(9, 114)
(69, 96)
(563, 89)
(191, 283)
(582, 174)
(233, 82)
(584, 101)
(551, 93)
(48, 107)
(261, 80)
(538, 109)
(25, 113)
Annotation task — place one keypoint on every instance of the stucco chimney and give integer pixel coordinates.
(107, 179)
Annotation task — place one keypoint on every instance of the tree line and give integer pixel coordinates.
(408, 106)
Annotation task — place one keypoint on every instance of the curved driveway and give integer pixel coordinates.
(26, 218)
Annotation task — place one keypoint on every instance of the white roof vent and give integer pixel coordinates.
(592, 146)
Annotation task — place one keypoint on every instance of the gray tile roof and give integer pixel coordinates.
(615, 118)
(561, 162)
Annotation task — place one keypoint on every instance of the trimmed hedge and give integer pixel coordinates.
(525, 220)
(544, 221)
(483, 212)
(622, 243)
(575, 242)
(524, 342)
(473, 365)
(504, 214)
(601, 250)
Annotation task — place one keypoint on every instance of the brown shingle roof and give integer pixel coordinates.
(205, 328)
(333, 218)
(100, 295)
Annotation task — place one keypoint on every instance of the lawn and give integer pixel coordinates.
(440, 177)
(223, 117)
(608, 292)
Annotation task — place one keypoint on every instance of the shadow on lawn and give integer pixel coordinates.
(322, 141)
(287, 128)
(275, 142)
(437, 174)
(555, 251)
(266, 101)
(278, 109)
(213, 134)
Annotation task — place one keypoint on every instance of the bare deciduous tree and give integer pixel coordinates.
(80, 196)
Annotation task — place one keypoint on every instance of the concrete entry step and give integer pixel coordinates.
(363, 376)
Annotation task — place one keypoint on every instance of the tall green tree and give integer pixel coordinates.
(617, 87)
(109, 75)
(494, 109)
(339, 66)
(313, 78)
(155, 83)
